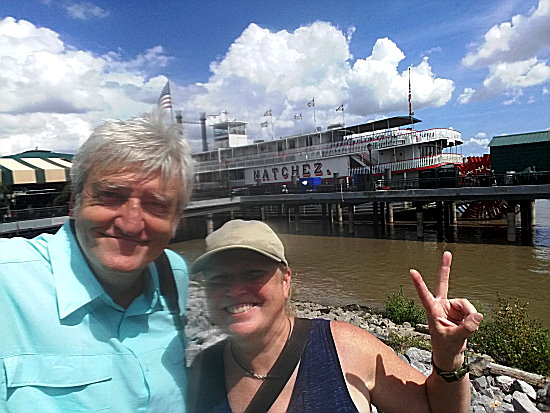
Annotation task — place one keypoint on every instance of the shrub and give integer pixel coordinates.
(511, 338)
(401, 343)
(400, 309)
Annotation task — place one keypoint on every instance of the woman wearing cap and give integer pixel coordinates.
(337, 367)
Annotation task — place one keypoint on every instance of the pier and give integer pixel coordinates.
(382, 202)
(341, 206)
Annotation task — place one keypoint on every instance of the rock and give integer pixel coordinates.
(421, 367)
(492, 393)
(479, 383)
(505, 383)
(422, 356)
(504, 408)
(481, 400)
(543, 394)
(522, 403)
(404, 333)
(526, 388)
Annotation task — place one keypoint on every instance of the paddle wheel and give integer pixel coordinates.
(477, 171)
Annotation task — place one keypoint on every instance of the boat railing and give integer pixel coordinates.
(409, 164)
(330, 149)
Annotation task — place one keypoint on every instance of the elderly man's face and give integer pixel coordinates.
(124, 221)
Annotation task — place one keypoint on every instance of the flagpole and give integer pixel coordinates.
(171, 103)
(341, 107)
(314, 117)
(271, 119)
(411, 113)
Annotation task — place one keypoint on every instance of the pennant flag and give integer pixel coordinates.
(165, 100)
(298, 116)
(268, 113)
(263, 124)
(340, 108)
(311, 103)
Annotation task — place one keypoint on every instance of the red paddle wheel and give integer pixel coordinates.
(477, 169)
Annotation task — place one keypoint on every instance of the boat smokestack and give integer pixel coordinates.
(203, 132)
(179, 121)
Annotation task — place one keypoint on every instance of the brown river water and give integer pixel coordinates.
(331, 267)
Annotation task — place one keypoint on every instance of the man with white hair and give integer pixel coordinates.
(91, 316)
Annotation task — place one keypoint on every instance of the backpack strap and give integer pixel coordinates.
(169, 291)
(167, 283)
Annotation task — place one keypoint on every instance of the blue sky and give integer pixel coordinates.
(480, 67)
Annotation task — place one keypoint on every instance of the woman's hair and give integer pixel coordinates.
(289, 308)
(144, 145)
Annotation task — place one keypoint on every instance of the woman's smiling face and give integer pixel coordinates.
(246, 291)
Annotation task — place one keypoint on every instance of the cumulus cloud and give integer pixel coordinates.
(480, 139)
(466, 95)
(476, 145)
(284, 70)
(518, 39)
(44, 81)
(148, 61)
(53, 95)
(511, 51)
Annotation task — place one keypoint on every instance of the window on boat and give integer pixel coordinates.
(291, 144)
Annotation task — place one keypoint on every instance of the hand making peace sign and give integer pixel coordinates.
(451, 321)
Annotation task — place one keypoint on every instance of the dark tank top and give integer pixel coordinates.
(320, 385)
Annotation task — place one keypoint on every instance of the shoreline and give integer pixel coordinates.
(490, 392)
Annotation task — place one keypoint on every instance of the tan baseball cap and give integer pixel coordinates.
(240, 234)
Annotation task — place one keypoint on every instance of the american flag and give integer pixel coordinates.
(165, 100)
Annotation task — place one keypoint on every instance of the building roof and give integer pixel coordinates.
(520, 139)
(387, 123)
(39, 153)
(35, 167)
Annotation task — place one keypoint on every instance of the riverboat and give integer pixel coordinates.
(385, 150)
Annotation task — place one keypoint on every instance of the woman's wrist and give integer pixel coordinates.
(448, 362)
(454, 374)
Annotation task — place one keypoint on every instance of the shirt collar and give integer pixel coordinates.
(75, 283)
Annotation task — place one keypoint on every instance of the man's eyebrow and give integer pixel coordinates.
(159, 197)
(103, 185)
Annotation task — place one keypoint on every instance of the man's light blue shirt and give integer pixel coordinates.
(65, 346)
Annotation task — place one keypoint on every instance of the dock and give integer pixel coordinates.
(343, 205)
